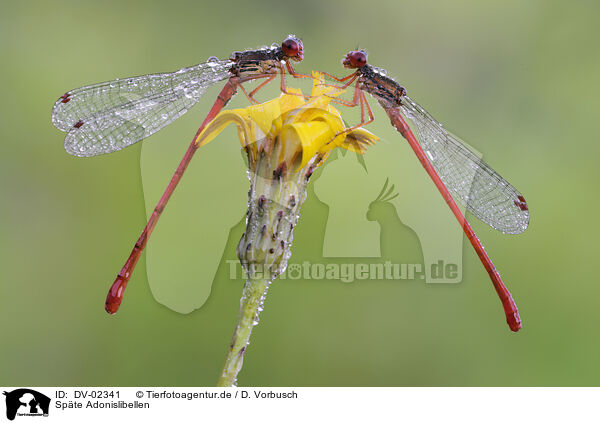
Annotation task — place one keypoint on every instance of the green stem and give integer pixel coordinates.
(274, 201)
(251, 304)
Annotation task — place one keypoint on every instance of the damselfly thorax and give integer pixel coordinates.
(375, 82)
(256, 62)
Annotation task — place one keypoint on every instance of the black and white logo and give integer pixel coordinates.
(26, 402)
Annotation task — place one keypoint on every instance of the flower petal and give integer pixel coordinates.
(311, 136)
(308, 127)
(224, 118)
(320, 88)
(267, 116)
(291, 101)
(359, 140)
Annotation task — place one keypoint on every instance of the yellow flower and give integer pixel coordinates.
(285, 139)
(294, 128)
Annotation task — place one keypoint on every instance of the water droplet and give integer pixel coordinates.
(188, 92)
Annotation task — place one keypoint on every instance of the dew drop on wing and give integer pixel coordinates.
(486, 194)
(189, 93)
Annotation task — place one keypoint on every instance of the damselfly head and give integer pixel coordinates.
(355, 59)
(292, 48)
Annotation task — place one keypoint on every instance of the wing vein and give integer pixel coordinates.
(470, 180)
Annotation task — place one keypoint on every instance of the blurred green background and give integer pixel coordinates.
(518, 80)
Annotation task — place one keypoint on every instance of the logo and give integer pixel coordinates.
(26, 402)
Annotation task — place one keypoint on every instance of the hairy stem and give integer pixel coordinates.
(274, 200)
(251, 304)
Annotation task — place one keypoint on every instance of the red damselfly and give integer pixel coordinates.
(110, 116)
(454, 169)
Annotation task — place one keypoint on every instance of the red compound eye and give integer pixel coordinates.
(292, 47)
(357, 59)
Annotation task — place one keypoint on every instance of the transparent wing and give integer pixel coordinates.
(110, 116)
(468, 178)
